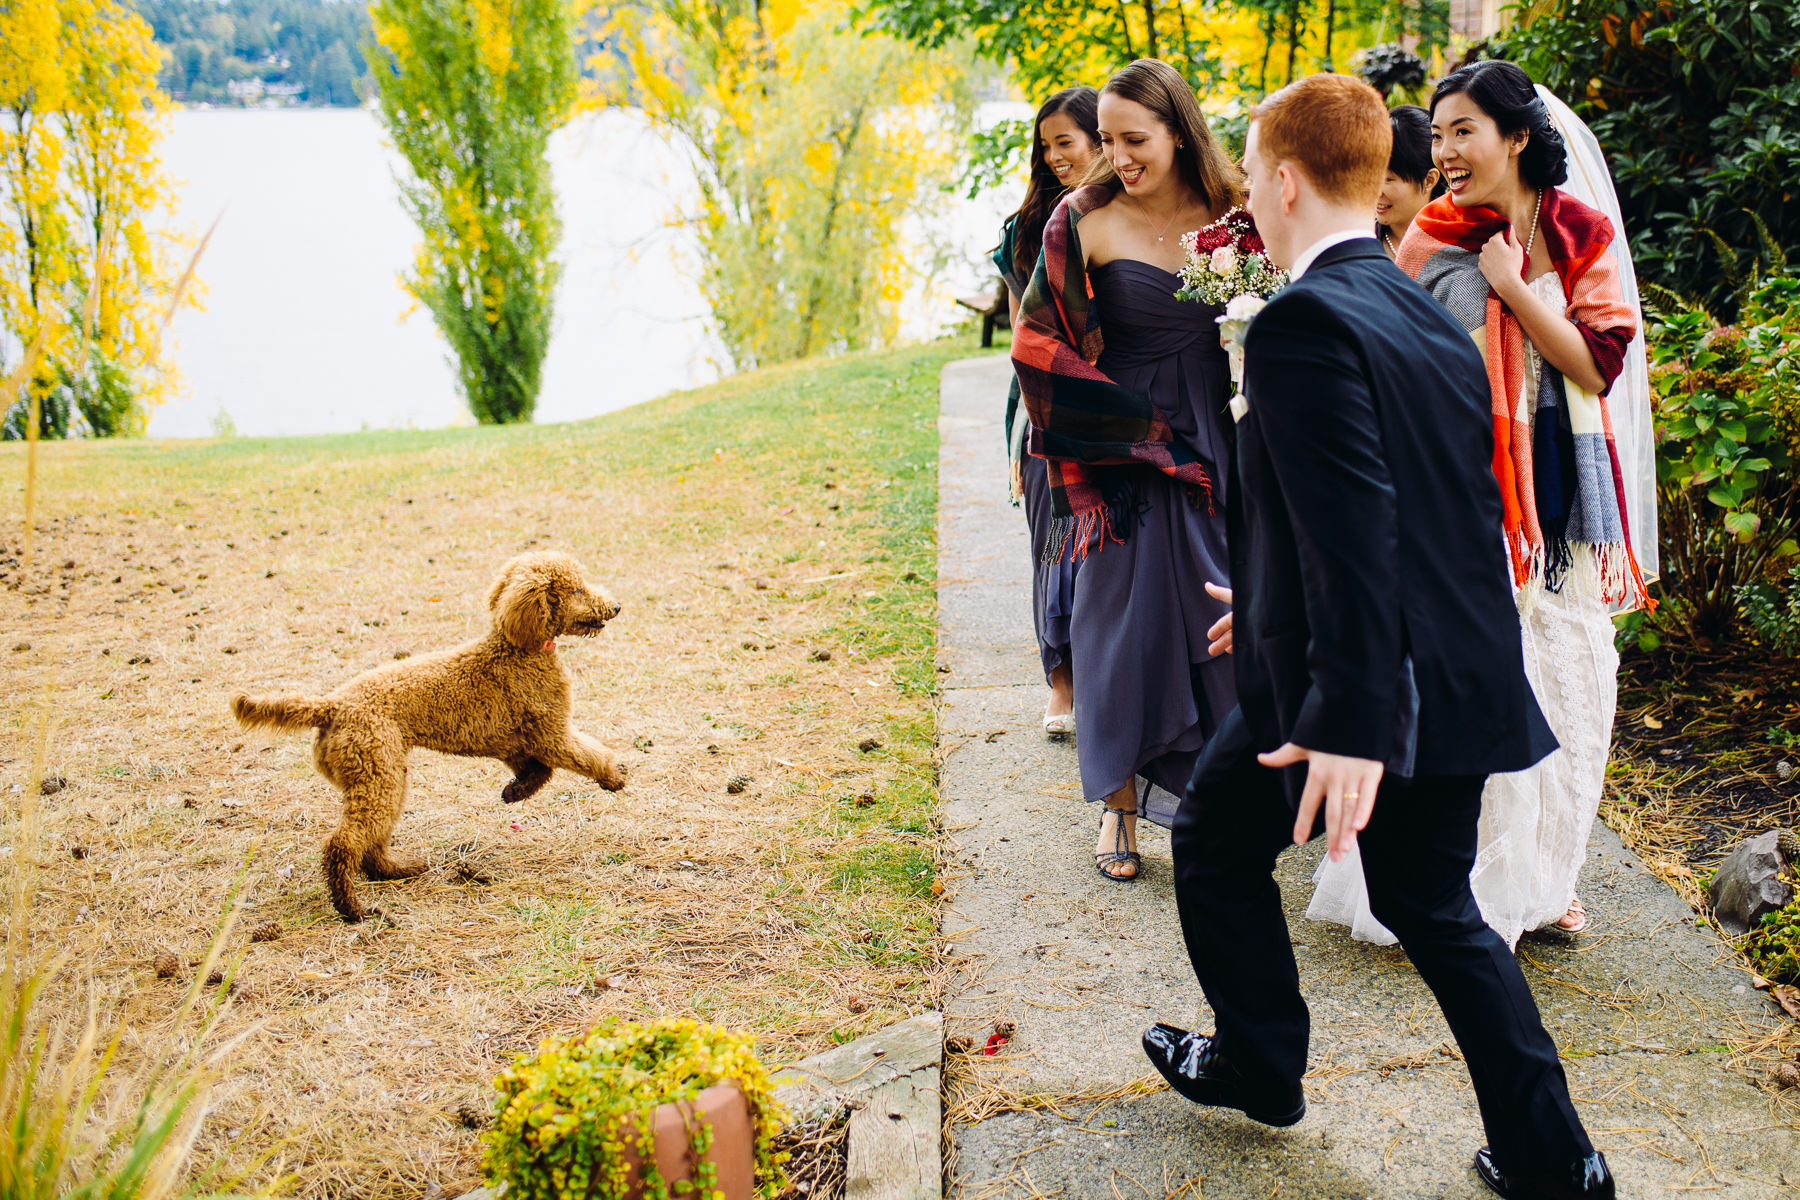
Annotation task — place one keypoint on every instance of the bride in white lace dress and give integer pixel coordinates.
(1535, 823)
(1504, 148)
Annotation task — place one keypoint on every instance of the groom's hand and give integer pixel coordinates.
(1219, 636)
(1346, 786)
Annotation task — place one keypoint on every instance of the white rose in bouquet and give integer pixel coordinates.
(1233, 325)
(1224, 260)
(1242, 308)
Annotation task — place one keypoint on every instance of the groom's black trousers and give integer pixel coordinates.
(1416, 851)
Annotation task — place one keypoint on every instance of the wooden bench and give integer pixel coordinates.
(993, 310)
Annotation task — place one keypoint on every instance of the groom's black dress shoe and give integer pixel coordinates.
(1192, 1064)
(1584, 1179)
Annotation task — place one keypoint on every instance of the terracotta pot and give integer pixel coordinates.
(733, 1144)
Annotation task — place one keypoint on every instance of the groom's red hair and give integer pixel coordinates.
(1335, 129)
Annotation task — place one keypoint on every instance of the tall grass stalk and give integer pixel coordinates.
(60, 1089)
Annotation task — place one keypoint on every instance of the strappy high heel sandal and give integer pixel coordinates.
(1573, 921)
(1119, 854)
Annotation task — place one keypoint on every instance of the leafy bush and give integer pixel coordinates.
(566, 1116)
(97, 399)
(1693, 102)
(1728, 435)
(53, 417)
(1773, 947)
(1774, 612)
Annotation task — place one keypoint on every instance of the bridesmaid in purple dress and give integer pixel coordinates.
(1147, 692)
(1064, 146)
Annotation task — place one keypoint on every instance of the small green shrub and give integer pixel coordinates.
(95, 399)
(1780, 736)
(1773, 947)
(53, 418)
(1728, 431)
(1774, 612)
(566, 1116)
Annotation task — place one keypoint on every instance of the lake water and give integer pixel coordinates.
(306, 328)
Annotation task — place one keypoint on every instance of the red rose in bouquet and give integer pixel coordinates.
(1212, 237)
(1227, 259)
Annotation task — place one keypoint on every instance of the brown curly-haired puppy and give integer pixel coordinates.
(505, 696)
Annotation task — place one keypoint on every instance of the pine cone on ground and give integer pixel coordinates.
(167, 966)
(1787, 843)
(268, 931)
(471, 1115)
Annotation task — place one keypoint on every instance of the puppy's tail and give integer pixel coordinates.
(282, 712)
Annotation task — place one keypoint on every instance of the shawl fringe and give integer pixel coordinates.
(1442, 251)
(1082, 423)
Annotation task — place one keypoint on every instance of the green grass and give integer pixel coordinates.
(561, 931)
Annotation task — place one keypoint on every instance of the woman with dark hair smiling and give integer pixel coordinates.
(1125, 389)
(1065, 141)
(1412, 180)
(1535, 276)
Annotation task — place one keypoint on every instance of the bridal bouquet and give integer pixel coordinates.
(1226, 260)
(1228, 265)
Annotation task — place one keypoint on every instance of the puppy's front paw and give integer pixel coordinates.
(611, 776)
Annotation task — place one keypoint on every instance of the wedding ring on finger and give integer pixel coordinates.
(1352, 796)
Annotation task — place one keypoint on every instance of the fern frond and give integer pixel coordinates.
(1666, 302)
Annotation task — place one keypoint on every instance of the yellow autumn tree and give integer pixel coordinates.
(469, 91)
(815, 145)
(36, 259)
(113, 121)
(85, 259)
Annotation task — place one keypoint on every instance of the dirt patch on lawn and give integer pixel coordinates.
(772, 542)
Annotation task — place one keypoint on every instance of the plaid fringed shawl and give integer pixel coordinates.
(1079, 418)
(1559, 474)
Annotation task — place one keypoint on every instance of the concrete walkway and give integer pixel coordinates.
(1643, 1005)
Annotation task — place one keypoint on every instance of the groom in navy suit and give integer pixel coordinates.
(1379, 671)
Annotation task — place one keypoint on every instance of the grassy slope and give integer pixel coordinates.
(773, 540)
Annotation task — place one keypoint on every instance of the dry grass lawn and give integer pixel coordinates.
(772, 539)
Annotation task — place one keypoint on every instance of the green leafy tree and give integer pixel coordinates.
(1229, 50)
(1694, 103)
(470, 91)
(814, 146)
(1219, 46)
